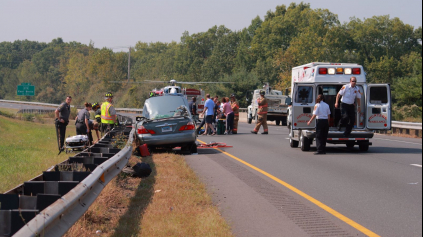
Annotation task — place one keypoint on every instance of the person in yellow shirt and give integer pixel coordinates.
(108, 114)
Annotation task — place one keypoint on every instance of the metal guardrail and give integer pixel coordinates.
(73, 106)
(406, 125)
(36, 111)
(57, 218)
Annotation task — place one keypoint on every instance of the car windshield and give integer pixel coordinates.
(164, 107)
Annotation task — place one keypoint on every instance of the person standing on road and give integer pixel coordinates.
(235, 108)
(349, 93)
(322, 113)
(208, 114)
(83, 119)
(193, 108)
(229, 114)
(62, 120)
(262, 114)
(108, 114)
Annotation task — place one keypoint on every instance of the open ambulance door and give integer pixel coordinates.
(303, 106)
(379, 107)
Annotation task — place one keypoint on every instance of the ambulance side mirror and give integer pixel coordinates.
(288, 101)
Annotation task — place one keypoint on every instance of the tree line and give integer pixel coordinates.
(265, 51)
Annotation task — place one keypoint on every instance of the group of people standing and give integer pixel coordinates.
(214, 110)
(105, 119)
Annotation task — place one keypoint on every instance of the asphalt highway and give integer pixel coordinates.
(380, 190)
(263, 187)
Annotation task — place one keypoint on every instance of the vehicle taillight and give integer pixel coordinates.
(331, 71)
(143, 130)
(323, 71)
(188, 127)
(340, 70)
(348, 71)
(201, 106)
(356, 71)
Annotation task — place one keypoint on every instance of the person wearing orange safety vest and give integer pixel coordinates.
(235, 108)
(108, 114)
(262, 114)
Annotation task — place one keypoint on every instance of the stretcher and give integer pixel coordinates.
(76, 143)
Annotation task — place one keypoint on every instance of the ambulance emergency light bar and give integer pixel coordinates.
(346, 71)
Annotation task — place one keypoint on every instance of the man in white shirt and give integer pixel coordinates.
(322, 113)
(208, 113)
(349, 94)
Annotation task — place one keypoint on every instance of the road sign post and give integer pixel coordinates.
(26, 89)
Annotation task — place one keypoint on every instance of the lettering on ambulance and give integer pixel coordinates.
(378, 118)
(304, 118)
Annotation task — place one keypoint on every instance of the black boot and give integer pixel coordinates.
(265, 133)
(253, 132)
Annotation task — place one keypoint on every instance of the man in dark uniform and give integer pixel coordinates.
(322, 113)
(349, 94)
(262, 114)
(83, 119)
(62, 120)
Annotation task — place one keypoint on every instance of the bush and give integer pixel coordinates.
(73, 113)
(7, 114)
(408, 113)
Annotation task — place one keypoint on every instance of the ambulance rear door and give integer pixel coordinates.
(378, 110)
(303, 106)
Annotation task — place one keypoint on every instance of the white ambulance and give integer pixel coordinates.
(310, 80)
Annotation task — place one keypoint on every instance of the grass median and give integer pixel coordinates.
(171, 202)
(26, 150)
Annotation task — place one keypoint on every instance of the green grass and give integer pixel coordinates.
(26, 150)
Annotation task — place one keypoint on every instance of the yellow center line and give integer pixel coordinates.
(345, 219)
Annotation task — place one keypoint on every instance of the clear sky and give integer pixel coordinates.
(118, 23)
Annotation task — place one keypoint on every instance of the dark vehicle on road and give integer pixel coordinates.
(166, 122)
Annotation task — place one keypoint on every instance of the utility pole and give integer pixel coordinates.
(129, 64)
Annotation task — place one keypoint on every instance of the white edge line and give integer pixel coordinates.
(398, 141)
(420, 166)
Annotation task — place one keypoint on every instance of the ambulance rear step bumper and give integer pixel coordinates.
(339, 136)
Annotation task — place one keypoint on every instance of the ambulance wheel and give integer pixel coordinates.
(304, 143)
(278, 123)
(284, 121)
(250, 119)
(364, 146)
(292, 142)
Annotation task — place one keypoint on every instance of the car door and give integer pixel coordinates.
(303, 106)
(378, 110)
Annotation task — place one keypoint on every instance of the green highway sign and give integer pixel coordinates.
(26, 89)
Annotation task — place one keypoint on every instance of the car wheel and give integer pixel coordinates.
(292, 142)
(250, 120)
(304, 143)
(194, 148)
